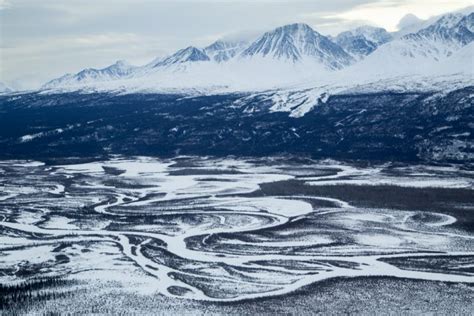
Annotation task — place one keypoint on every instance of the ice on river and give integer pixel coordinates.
(199, 228)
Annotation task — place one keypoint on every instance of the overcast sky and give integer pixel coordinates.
(43, 39)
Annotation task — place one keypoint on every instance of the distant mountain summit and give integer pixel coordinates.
(118, 70)
(186, 55)
(416, 52)
(451, 29)
(222, 51)
(362, 41)
(297, 42)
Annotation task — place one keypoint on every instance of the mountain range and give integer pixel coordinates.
(296, 55)
(365, 94)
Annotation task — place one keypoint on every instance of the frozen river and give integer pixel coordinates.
(210, 230)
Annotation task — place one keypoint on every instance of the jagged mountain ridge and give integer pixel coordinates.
(292, 43)
(362, 41)
(222, 51)
(297, 41)
(421, 52)
(454, 30)
(118, 70)
(363, 50)
(189, 54)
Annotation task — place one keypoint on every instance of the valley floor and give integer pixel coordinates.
(195, 235)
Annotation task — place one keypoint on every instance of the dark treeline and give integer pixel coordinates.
(31, 291)
(374, 127)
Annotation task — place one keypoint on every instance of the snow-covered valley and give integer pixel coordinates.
(224, 230)
(288, 172)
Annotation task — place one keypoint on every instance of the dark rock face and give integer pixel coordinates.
(380, 127)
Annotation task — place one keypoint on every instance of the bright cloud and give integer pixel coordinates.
(388, 14)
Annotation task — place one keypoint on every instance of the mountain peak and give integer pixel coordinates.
(291, 53)
(191, 50)
(221, 50)
(425, 50)
(453, 29)
(185, 55)
(296, 27)
(363, 40)
(373, 34)
(295, 30)
(449, 20)
(121, 63)
(191, 53)
(120, 69)
(298, 41)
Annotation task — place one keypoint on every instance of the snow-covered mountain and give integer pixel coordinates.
(297, 57)
(222, 51)
(362, 41)
(186, 55)
(296, 43)
(294, 50)
(118, 70)
(421, 52)
(451, 29)
(123, 71)
(461, 61)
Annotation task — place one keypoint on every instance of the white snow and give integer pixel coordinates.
(252, 233)
(423, 63)
(30, 137)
